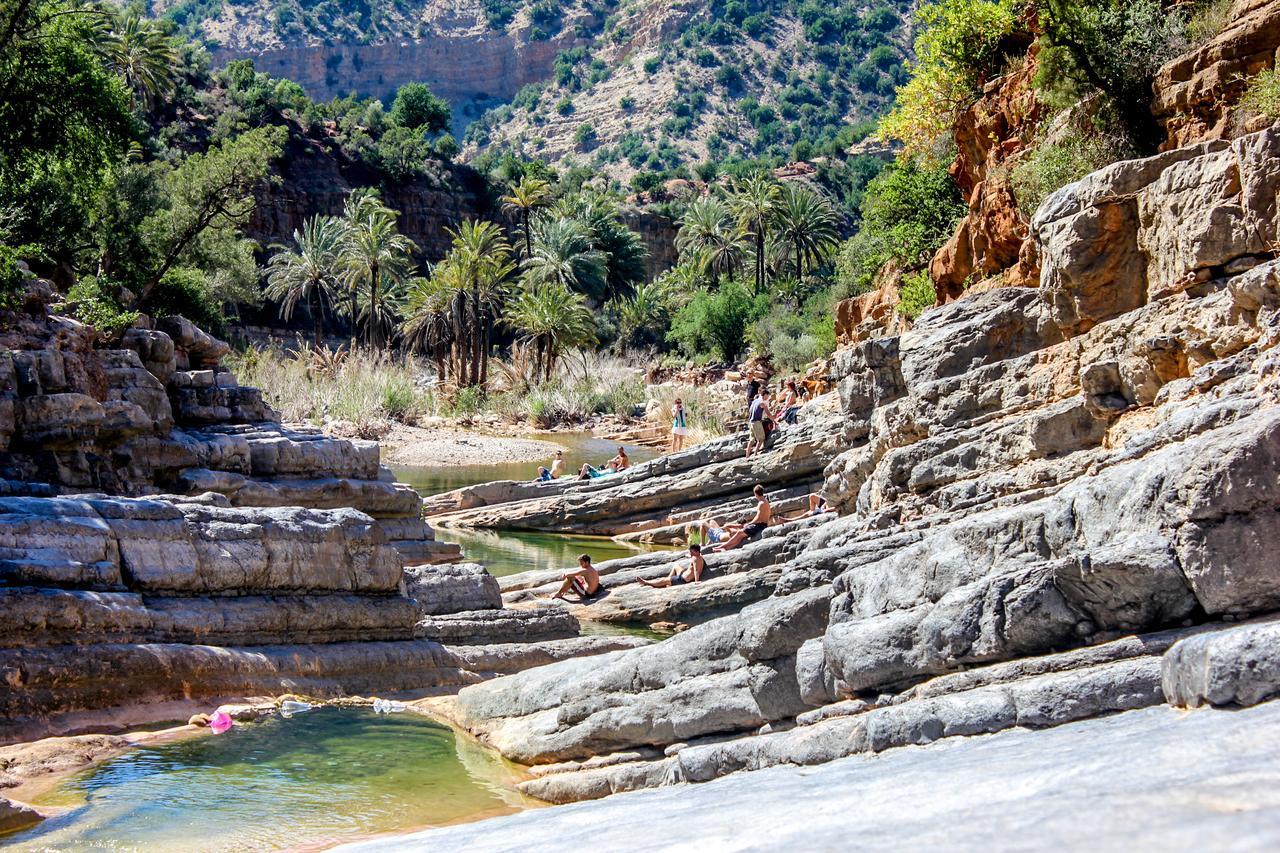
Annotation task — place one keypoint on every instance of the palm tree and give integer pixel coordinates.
(551, 318)
(806, 221)
(708, 238)
(563, 254)
(643, 314)
(140, 52)
(482, 257)
(428, 325)
(523, 200)
(624, 251)
(375, 252)
(313, 273)
(753, 201)
(382, 317)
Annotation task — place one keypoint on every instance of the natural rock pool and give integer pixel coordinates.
(318, 778)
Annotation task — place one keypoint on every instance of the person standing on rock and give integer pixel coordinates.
(585, 582)
(754, 527)
(755, 423)
(681, 573)
(679, 426)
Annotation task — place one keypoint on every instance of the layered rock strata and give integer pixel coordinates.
(1054, 502)
(185, 545)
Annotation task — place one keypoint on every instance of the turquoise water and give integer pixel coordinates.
(510, 552)
(319, 778)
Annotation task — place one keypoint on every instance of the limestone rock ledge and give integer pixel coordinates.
(1054, 504)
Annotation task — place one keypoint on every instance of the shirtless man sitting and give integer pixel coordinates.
(681, 573)
(585, 582)
(754, 527)
(557, 465)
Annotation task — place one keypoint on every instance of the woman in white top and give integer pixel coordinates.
(679, 426)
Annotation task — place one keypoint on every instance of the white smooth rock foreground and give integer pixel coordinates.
(1155, 779)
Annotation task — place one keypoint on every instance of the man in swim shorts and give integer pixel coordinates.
(754, 527)
(681, 573)
(585, 582)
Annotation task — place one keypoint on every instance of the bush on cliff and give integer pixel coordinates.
(960, 44)
(909, 210)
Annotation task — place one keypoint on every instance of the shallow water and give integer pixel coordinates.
(319, 778)
(508, 552)
(579, 447)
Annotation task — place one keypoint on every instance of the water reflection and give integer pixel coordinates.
(579, 447)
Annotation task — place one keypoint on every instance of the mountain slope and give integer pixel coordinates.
(624, 85)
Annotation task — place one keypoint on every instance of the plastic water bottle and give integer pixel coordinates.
(289, 707)
(387, 706)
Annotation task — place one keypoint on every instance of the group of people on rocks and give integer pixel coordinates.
(705, 536)
(618, 463)
(763, 417)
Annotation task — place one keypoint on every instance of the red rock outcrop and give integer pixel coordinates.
(1197, 95)
(989, 136)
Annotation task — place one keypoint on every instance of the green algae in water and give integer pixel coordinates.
(318, 778)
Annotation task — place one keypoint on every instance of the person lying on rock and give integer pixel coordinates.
(753, 528)
(584, 583)
(708, 532)
(681, 572)
(591, 472)
(817, 506)
(557, 465)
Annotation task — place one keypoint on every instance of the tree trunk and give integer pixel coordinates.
(528, 238)
(373, 307)
(760, 261)
(316, 318)
(484, 351)
(475, 335)
(354, 291)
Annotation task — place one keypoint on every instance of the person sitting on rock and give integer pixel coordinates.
(621, 462)
(788, 410)
(682, 573)
(817, 506)
(584, 583)
(753, 528)
(557, 465)
(544, 476)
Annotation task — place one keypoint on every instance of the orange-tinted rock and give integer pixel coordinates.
(988, 136)
(1197, 95)
(871, 314)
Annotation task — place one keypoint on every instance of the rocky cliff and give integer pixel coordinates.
(1054, 503)
(164, 538)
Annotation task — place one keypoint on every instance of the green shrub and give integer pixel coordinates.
(1050, 166)
(96, 301)
(915, 294)
(186, 291)
(415, 107)
(959, 43)
(1208, 19)
(468, 401)
(13, 283)
(1263, 94)
(651, 64)
(716, 323)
